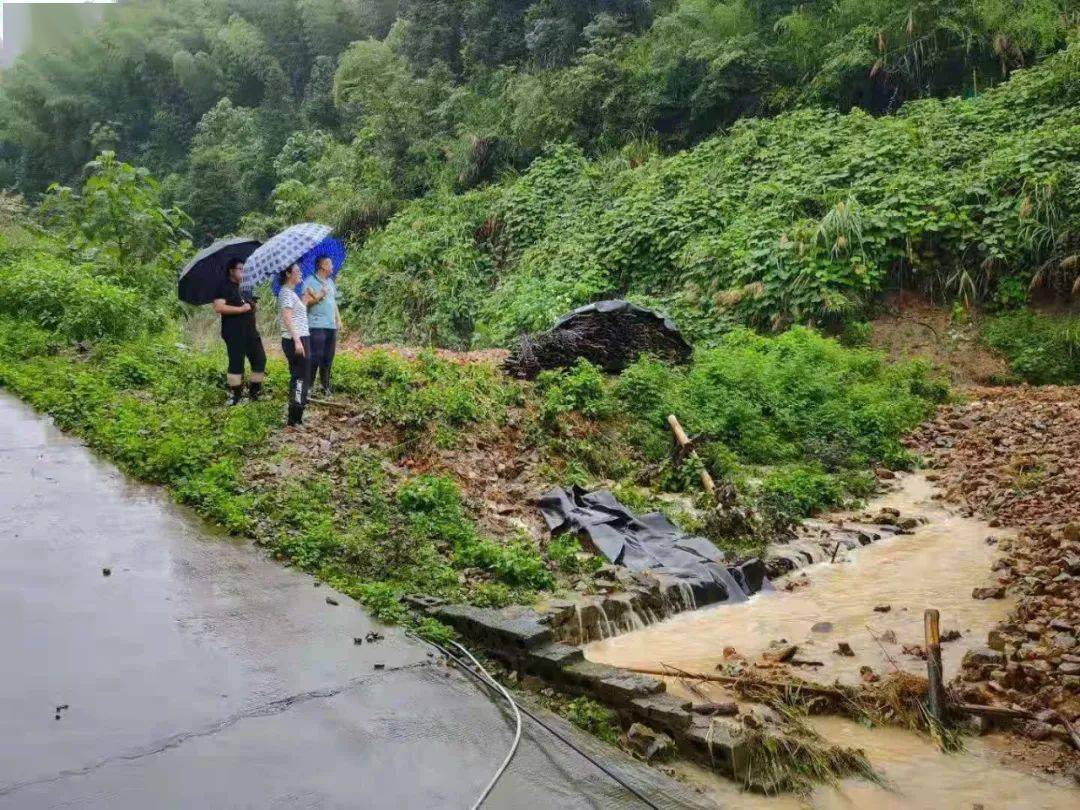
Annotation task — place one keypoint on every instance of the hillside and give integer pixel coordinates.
(806, 217)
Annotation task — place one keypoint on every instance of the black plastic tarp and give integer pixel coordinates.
(610, 334)
(650, 543)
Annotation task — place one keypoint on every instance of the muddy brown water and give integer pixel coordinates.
(917, 776)
(936, 566)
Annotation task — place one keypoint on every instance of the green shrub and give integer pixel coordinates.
(1041, 349)
(72, 301)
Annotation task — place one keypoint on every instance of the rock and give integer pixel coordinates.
(914, 650)
(843, 648)
(531, 683)
(722, 708)
(332, 601)
(650, 744)
(882, 608)
(868, 675)
(779, 651)
(908, 523)
(106, 572)
(1035, 730)
(1069, 669)
(1063, 641)
(991, 592)
(950, 635)
(357, 640)
(983, 656)
(822, 627)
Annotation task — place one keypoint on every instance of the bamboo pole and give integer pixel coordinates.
(684, 442)
(935, 703)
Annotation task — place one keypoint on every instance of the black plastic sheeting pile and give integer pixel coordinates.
(651, 543)
(609, 334)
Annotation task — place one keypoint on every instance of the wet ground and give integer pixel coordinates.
(200, 675)
(917, 776)
(937, 566)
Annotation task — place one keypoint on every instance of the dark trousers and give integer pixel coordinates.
(299, 377)
(244, 345)
(323, 349)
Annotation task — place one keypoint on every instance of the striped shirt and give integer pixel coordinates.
(288, 299)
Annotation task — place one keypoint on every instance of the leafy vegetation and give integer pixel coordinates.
(1042, 349)
(804, 217)
(341, 109)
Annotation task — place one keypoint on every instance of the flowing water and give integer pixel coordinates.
(917, 777)
(937, 566)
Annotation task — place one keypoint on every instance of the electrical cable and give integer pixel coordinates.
(490, 682)
(517, 732)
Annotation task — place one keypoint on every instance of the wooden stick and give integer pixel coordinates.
(684, 442)
(833, 558)
(673, 672)
(935, 703)
(1000, 712)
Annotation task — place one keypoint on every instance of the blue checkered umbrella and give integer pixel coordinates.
(280, 251)
(333, 249)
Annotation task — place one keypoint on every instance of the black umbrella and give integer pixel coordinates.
(201, 279)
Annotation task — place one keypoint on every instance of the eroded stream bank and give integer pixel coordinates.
(938, 565)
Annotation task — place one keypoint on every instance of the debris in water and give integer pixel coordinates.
(914, 650)
(357, 640)
(372, 637)
(843, 648)
(779, 651)
(882, 608)
(106, 572)
(868, 675)
(950, 635)
(889, 637)
(380, 666)
(332, 601)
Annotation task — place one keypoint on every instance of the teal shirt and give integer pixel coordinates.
(322, 315)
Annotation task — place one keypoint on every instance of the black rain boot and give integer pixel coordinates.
(255, 391)
(324, 381)
(296, 414)
(237, 392)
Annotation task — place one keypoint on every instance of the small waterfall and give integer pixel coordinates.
(633, 618)
(687, 593)
(605, 626)
(582, 638)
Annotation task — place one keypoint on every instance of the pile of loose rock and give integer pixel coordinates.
(1013, 456)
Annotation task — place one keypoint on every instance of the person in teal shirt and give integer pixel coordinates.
(324, 320)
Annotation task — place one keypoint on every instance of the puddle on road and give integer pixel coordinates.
(936, 566)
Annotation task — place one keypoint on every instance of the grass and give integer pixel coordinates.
(1041, 349)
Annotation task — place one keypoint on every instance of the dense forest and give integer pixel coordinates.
(497, 161)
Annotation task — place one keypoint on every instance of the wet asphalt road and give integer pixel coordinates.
(201, 675)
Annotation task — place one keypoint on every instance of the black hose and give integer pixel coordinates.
(615, 777)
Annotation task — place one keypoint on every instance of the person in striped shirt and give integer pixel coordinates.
(295, 340)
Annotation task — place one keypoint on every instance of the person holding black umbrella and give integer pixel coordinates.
(240, 333)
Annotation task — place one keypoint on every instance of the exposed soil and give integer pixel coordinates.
(911, 327)
(1010, 454)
